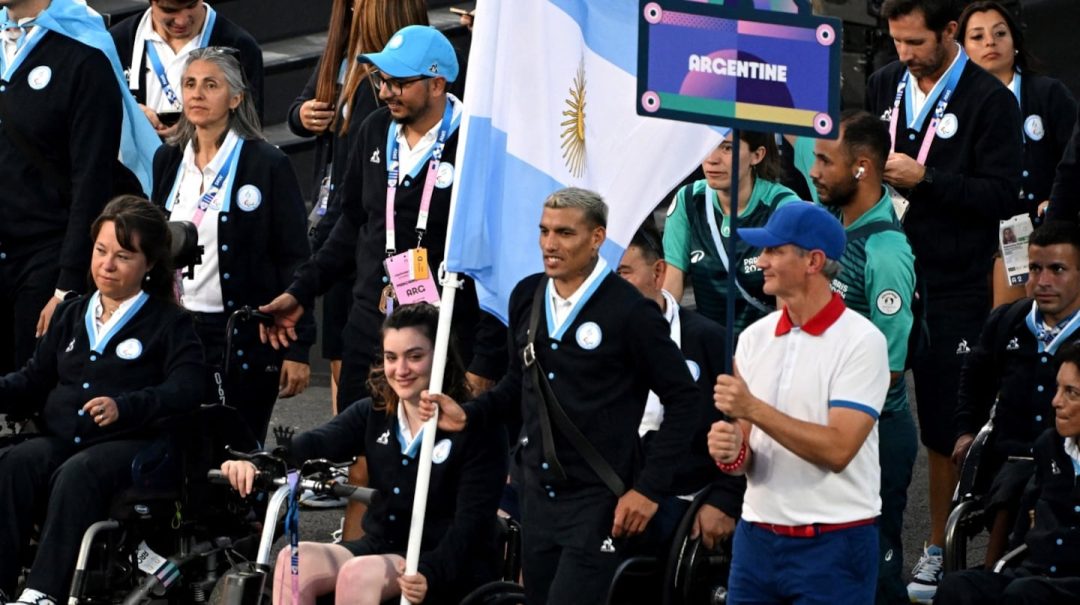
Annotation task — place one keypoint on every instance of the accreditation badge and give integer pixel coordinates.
(410, 277)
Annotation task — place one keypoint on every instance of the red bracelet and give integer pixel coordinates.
(734, 465)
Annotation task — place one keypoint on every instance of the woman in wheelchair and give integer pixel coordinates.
(1050, 573)
(111, 363)
(241, 193)
(467, 475)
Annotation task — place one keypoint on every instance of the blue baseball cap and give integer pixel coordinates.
(416, 50)
(804, 224)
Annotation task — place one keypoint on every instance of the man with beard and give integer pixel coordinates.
(956, 158)
(878, 282)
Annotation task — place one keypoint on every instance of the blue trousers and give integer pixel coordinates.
(835, 568)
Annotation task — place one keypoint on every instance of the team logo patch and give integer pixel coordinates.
(1014, 344)
(395, 42)
(384, 438)
(725, 230)
(441, 452)
(434, 68)
(248, 198)
(608, 546)
(375, 157)
(963, 348)
(948, 126)
(444, 177)
(673, 205)
(129, 349)
(70, 347)
(1033, 127)
(696, 256)
(589, 336)
(39, 77)
(695, 369)
(889, 302)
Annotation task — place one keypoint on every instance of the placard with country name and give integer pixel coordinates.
(739, 67)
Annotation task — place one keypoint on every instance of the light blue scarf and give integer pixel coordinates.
(75, 20)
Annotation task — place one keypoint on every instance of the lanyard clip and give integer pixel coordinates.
(528, 355)
(420, 236)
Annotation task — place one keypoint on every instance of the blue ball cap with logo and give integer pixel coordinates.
(804, 224)
(416, 50)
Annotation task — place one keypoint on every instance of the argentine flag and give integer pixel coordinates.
(550, 103)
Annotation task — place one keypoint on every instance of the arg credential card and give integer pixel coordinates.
(1013, 236)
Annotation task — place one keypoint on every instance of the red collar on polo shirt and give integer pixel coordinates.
(817, 325)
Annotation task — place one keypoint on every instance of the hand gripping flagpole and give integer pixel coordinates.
(450, 284)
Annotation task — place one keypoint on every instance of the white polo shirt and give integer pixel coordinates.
(837, 359)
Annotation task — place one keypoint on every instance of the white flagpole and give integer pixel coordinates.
(450, 285)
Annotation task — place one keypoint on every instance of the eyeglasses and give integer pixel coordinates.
(396, 85)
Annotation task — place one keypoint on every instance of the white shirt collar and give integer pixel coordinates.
(407, 438)
(99, 309)
(1073, 451)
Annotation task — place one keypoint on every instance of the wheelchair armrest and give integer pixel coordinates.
(1011, 558)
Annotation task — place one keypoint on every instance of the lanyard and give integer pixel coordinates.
(292, 527)
(26, 43)
(721, 251)
(1065, 329)
(915, 122)
(211, 194)
(162, 76)
(393, 167)
(1016, 83)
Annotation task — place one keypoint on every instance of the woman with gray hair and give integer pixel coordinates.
(242, 195)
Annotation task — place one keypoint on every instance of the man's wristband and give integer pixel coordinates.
(736, 464)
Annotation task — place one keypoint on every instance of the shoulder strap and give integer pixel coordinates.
(550, 407)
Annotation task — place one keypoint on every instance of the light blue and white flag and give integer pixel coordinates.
(550, 103)
(76, 20)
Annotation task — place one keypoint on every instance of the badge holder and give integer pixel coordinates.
(410, 280)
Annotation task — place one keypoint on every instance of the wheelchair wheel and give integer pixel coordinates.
(695, 574)
(965, 536)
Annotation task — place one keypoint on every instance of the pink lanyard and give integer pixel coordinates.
(939, 110)
(393, 167)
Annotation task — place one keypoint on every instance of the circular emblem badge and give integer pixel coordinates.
(725, 229)
(129, 349)
(441, 451)
(248, 198)
(695, 369)
(589, 336)
(39, 77)
(444, 177)
(948, 125)
(1033, 127)
(889, 302)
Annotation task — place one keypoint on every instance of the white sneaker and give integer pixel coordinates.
(927, 573)
(34, 597)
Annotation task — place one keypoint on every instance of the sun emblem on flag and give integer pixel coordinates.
(573, 135)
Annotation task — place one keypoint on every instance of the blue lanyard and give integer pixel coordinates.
(162, 77)
(215, 187)
(915, 122)
(393, 169)
(25, 44)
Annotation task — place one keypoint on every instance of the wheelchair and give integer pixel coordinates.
(690, 574)
(965, 529)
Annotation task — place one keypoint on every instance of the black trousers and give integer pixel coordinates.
(27, 282)
(73, 486)
(955, 320)
(1019, 586)
(569, 555)
(254, 370)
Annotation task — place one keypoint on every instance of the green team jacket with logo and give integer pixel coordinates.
(689, 247)
(878, 282)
